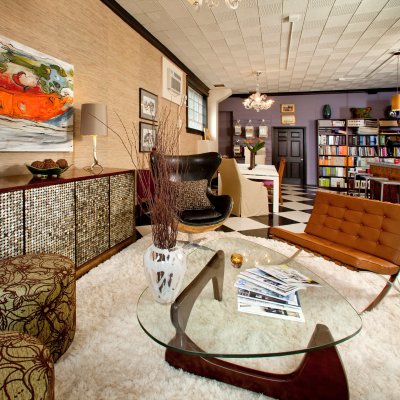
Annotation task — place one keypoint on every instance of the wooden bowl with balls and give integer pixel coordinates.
(48, 167)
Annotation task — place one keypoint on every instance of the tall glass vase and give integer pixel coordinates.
(165, 270)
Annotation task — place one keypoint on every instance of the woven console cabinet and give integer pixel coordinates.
(82, 216)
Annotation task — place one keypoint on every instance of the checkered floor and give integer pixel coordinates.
(293, 215)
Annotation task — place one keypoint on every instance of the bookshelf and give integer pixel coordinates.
(332, 153)
(389, 130)
(349, 146)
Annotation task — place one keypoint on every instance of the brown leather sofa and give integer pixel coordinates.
(359, 233)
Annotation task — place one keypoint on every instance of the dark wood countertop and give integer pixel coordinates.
(390, 171)
(29, 181)
(386, 165)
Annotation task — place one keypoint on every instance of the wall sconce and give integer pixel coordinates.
(94, 123)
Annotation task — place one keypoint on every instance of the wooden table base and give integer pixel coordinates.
(320, 375)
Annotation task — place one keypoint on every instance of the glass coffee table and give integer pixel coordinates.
(203, 325)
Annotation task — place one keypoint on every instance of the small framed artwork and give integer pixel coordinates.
(288, 119)
(263, 131)
(148, 105)
(288, 108)
(249, 130)
(147, 138)
(238, 128)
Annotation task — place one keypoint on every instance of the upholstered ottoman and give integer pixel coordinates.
(37, 296)
(26, 368)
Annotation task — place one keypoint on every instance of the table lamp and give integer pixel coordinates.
(94, 123)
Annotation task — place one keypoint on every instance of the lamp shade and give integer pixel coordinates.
(396, 102)
(94, 119)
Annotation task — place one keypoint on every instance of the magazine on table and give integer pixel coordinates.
(272, 291)
(265, 281)
(245, 295)
(288, 275)
(244, 284)
(292, 315)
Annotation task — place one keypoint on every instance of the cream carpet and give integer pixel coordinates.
(112, 358)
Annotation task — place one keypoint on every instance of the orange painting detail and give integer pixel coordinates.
(38, 107)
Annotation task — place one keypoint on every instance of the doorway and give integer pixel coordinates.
(289, 144)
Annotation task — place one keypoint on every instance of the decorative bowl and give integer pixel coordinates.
(46, 172)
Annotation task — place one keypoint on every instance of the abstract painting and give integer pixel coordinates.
(36, 100)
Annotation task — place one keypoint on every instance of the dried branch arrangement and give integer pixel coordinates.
(158, 193)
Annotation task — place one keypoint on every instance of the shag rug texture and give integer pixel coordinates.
(111, 357)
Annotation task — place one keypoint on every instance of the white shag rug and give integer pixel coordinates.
(111, 357)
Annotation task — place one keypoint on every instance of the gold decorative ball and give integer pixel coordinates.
(236, 260)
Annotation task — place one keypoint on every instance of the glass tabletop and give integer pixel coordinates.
(217, 329)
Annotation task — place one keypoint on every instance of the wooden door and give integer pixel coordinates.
(225, 132)
(289, 143)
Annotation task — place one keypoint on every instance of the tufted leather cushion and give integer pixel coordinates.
(26, 368)
(359, 232)
(343, 254)
(192, 195)
(37, 296)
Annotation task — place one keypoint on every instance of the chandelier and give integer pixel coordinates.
(233, 4)
(258, 101)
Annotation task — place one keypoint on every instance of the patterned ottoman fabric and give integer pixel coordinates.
(37, 296)
(26, 368)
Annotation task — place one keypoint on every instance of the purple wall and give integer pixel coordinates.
(308, 110)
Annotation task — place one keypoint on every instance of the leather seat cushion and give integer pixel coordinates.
(344, 254)
(200, 215)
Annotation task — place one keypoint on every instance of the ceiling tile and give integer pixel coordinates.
(330, 37)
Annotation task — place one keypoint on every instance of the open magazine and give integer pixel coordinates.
(288, 275)
(272, 291)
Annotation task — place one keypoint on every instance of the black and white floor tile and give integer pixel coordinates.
(293, 215)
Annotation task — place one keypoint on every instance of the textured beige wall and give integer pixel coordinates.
(111, 62)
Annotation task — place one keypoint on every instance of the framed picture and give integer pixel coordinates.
(249, 130)
(288, 108)
(238, 128)
(36, 100)
(288, 119)
(147, 137)
(148, 105)
(263, 131)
